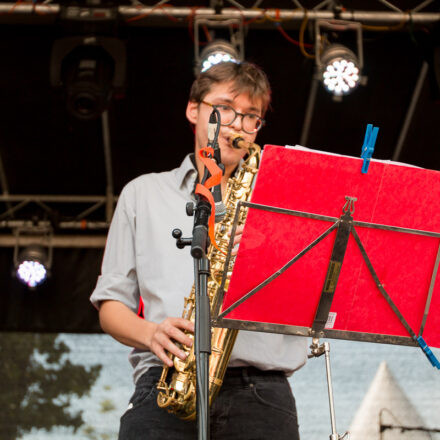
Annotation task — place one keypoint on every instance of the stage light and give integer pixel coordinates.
(337, 66)
(340, 71)
(31, 266)
(216, 52)
(225, 44)
(33, 255)
(90, 69)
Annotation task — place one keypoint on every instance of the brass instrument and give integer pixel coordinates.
(179, 397)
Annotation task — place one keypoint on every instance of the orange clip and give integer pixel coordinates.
(215, 179)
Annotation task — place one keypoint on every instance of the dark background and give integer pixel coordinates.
(47, 151)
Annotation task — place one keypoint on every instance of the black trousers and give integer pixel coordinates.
(252, 405)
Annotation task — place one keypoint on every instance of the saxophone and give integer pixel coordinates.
(179, 397)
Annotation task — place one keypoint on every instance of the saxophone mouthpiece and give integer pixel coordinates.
(237, 142)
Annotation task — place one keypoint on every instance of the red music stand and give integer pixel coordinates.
(330, 252)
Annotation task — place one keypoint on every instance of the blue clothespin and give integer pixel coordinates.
(429, 354)
(368, 146)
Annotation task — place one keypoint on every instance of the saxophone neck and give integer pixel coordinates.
(254, 154)
(254, 151)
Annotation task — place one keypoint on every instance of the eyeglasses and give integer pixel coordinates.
(250, 122)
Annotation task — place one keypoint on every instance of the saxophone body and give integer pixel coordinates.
(179, 397)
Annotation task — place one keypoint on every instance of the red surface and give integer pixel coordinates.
(388, 194)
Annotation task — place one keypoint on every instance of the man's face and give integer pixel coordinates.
(198, 114)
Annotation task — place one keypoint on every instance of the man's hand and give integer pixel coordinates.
(165, 335)
(124, 325)
(237, 239)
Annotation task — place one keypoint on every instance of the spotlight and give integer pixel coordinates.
(218, 51)
(226, 41)
(340, 70)
(338, 67)
(91, 69)
(32, 255)
(31, 266)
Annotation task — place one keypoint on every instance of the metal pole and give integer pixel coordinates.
(52, 198)
(58, 241)
(422, 5)
(108, 165)
(286, 14)
(79, 225)
(410, 112)
(202, 346)
(48, 12)
(4, 183)
(309, 110)
(334, 435)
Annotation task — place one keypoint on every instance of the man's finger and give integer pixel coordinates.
(160, 353)
(182, 323)
(168, 345)
(179, 336)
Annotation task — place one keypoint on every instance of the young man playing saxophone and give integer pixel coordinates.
(141, 259)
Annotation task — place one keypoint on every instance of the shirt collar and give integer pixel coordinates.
(186, 172)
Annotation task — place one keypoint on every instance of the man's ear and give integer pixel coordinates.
(192, 111)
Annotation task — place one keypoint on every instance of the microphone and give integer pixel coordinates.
(213, 125)
(212, 128)
(220, 209)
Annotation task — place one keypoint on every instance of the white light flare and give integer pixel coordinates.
(31, 273)
(341, 76)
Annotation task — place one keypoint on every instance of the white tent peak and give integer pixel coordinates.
(386, 403)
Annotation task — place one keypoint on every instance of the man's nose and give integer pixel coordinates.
(238, 123)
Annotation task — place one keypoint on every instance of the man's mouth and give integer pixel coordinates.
(228, 137)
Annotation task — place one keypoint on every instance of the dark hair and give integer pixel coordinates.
(246, 78)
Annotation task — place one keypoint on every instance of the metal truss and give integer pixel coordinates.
(16, 204)
(77, 232)
(140, 15)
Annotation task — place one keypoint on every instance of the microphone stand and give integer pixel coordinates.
(202, 329)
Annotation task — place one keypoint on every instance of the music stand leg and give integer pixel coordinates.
(318, 350)
(334, 435)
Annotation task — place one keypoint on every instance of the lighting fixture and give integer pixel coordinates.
(338, 67)
(32, 255)
(225, 41)
(218, 51)
(340, 70)
(90, 69)
(31, 266)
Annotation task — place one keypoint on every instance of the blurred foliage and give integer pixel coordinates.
(38, 383)
(107, 405)
(91, 434)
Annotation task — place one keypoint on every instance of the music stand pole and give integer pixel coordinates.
(318, 350)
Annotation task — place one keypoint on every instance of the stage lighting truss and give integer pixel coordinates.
(225, 41)
(32, 255)
(338, 67)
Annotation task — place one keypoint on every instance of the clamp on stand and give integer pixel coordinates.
(317, 350)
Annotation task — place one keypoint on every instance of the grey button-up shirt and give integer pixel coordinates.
(141, 259)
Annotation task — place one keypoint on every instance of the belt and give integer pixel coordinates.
(247, 375)
(235, 376)
(234, 373)
(251, 371)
